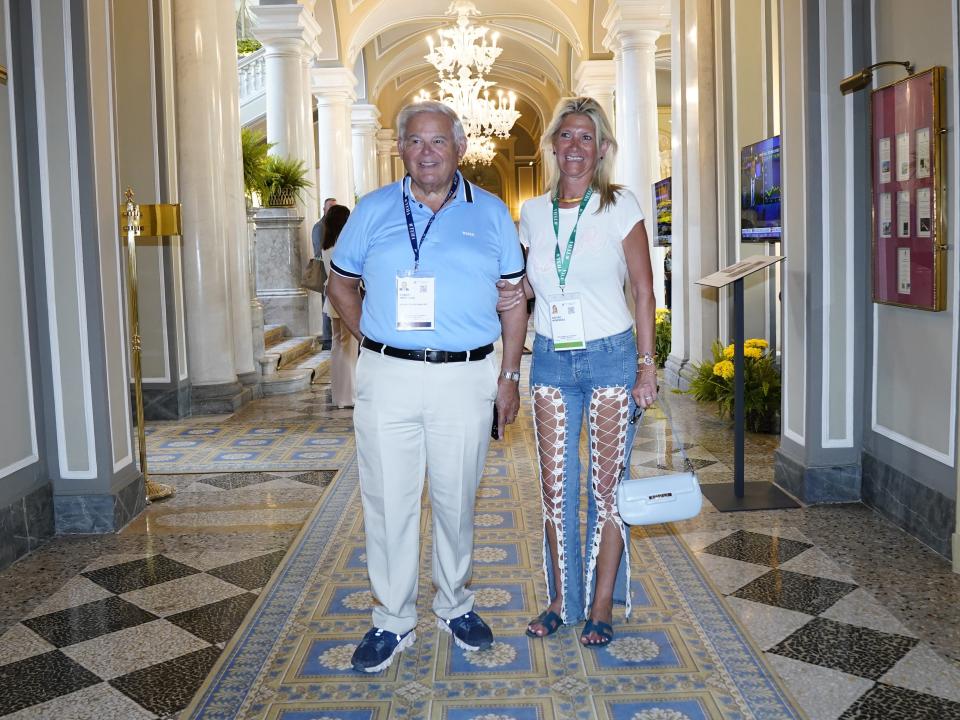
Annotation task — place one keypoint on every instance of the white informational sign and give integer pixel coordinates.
(886, 216)
(903, 214)
(883, 158)
(923, 152)
(738, 270)
(903, 156)
(924, 219)
(903, 271)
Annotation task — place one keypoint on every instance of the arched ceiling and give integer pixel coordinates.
(543, 42)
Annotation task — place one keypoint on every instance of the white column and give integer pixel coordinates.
(386, 147)
(235, 217)
(695, 228)
(598, 79)
(334, 89)
(202, 151)
(633, 27)
(365, 121)
(289, 35)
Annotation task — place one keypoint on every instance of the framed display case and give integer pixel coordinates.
(909, 238)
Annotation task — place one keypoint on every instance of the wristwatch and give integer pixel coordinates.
(511, 375)
(645, 359)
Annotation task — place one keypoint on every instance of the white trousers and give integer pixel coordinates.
(412, 417)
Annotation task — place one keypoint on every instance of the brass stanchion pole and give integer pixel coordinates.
(132, 228)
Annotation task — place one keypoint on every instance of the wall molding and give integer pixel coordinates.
(34, 455)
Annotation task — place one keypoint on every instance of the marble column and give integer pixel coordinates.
(235, 218)
(598, 79)
(203, 149)
(289, 34)
(365, 121)
(335, 91)
(695, 312)
(633, 27)
(386, 147)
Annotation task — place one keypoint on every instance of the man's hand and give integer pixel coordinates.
(508, 403)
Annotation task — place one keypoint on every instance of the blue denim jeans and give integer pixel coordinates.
(568, 388)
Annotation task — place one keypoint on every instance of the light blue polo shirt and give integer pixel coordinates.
(471, 244)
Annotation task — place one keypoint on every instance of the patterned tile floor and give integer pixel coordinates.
(859, 620)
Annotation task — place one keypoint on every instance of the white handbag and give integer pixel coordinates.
(660, 499)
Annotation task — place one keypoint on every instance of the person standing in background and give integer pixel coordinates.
(344, 349)
(315, 238)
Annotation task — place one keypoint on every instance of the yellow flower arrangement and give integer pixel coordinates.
(724, 369)
(662, 336)
(714, 382)
(751, 348)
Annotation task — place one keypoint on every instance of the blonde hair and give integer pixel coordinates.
(600, 183)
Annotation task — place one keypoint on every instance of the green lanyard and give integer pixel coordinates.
(563, 264)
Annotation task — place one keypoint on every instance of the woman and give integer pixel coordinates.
(585, 238)
(343, 348)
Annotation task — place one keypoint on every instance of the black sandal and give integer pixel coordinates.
(550, 621)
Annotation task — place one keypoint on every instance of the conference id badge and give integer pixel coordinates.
(566, 322)
(416, 293)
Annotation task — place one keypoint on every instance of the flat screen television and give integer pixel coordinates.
(760, 192)
(662, 202)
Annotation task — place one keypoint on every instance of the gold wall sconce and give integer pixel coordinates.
(859, 80)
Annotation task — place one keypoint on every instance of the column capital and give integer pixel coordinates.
(364, 118)
(287, 28)
(386, 140)
(591, 74)
(631, 23)
(333, 84)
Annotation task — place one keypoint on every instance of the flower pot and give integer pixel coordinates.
(283, 198)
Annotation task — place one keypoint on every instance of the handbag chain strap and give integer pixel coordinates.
(635, 420)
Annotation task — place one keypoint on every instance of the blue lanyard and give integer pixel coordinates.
(412, 230)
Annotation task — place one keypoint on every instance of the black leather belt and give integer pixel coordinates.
(430, 356)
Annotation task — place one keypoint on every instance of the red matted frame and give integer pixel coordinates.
(909, 248)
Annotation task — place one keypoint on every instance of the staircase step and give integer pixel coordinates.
(273, 334)
(283, 382)
(292, 349)
(318, 363)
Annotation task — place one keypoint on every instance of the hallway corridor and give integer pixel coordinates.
(856, 618)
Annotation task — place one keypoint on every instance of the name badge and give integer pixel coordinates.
(416, 293)
(566, 322)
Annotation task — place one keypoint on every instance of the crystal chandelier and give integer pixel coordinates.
(462, 58)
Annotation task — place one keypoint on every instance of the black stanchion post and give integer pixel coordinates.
(738, 376)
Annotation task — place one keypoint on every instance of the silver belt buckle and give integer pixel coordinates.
(426, 353)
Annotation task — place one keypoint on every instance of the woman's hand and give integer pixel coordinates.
(510, 295)
(645, 388)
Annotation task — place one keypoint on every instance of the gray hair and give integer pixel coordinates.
(430, 106)
(590, 108)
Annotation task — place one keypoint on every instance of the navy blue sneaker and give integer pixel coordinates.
(375, 652)
(469, 631)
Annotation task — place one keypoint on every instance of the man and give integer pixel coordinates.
(429, 249)
(316, 237)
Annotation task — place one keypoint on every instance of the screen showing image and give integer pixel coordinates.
(760, 191)
(662, 202)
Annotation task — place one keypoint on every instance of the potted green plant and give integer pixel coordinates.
(714, 382)
(284, 182)
(253, 150)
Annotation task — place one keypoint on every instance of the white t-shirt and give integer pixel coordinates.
(598, 266)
